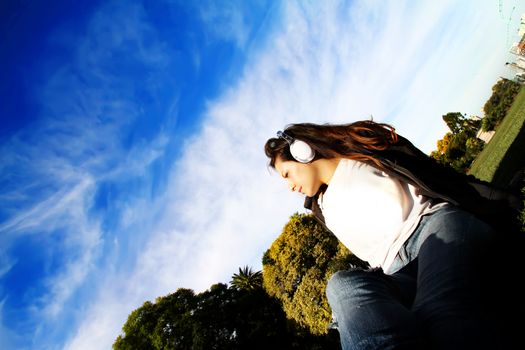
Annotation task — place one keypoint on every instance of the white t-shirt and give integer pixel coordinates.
(371, 213)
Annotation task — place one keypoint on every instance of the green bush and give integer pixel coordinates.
(497, 106)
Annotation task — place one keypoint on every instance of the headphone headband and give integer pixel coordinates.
(283, 135)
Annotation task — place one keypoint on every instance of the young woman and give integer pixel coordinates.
(427, 232)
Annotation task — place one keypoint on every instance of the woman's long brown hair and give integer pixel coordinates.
(355, 141)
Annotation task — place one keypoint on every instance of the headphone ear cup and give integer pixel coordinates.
(301, 151)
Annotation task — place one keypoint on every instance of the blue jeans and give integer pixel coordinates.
(433, 301)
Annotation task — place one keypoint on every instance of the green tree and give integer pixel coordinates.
(297, 267)
(454, 121)
(165, 324)
(218, 318)
(497, 106)
(459, 124)
(246, 279)
(460, 146)
(138, 329)
(175, 311)
(213, 319)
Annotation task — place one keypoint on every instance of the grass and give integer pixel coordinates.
(504, 155)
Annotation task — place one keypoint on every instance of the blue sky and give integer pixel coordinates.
(132, 132)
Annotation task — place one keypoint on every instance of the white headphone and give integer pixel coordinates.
(300, 150)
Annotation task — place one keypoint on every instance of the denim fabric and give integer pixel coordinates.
(432, 302)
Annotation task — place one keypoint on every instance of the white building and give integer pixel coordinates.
(485, 135)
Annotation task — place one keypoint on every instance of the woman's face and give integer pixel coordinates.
(303, 178)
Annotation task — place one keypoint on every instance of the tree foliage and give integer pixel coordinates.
(221, 317)
(160, 325)
(247, 279)
(459, 147)
(218, 318)
(297, 267)
(497, 106)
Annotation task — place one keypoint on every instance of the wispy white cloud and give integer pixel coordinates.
(8, 338)
(232, 21)
(77, 144)
(228, 22)
(326, 63)
(5, 264)
(337, 62)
